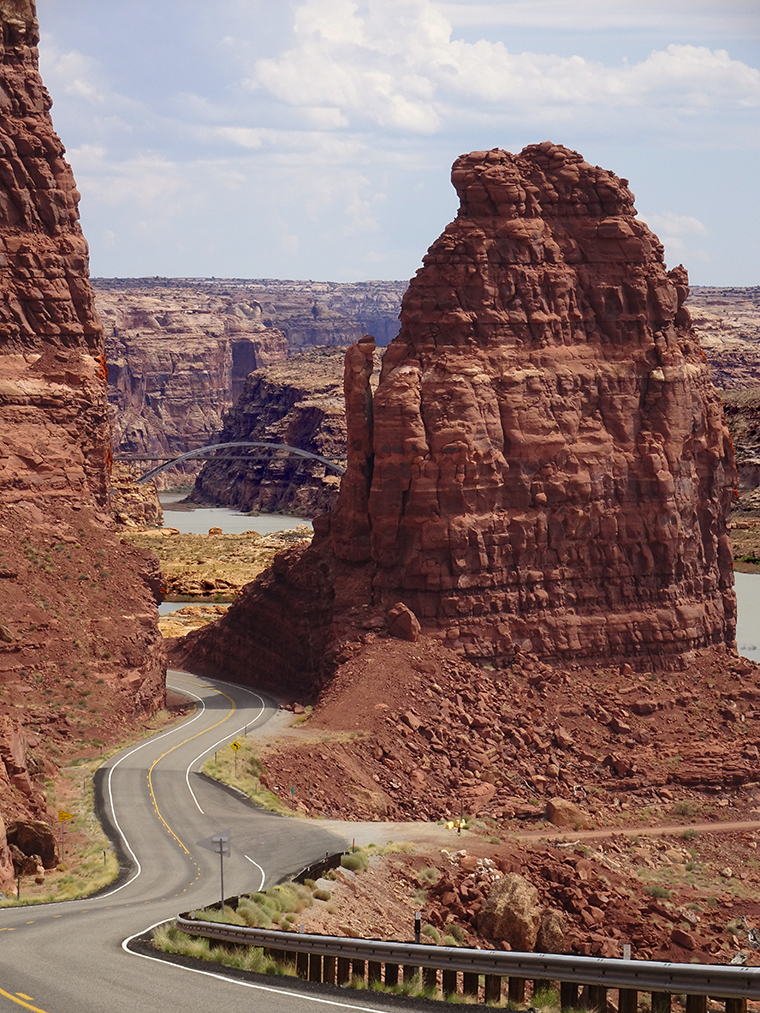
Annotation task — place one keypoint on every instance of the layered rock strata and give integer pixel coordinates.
(180, 350)
(54, 454)
(544, 464)
(298, 403)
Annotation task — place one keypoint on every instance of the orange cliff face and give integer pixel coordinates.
(72, 598)
(544, 465)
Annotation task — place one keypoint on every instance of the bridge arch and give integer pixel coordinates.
(201, 451)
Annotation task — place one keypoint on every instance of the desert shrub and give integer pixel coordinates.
(431, 932)
(321, 894)
(655, 890)
(354, 861)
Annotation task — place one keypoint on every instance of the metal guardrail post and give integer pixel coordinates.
(661, 1002)
(344, 970)
(628, 999)
(493, 988)
(449, 983)
(374, 972)
(302, 965)
(696, 1004)
(568, 995)
(391, 974)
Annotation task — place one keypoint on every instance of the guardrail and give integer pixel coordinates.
(336, 959)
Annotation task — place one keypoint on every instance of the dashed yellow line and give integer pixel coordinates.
(161, 757)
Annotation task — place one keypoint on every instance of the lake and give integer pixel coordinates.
(196, 520)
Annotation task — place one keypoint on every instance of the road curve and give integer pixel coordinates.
(70, 958)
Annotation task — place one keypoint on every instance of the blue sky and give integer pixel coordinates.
(314, 138)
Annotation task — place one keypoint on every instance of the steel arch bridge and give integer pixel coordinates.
(203, 451)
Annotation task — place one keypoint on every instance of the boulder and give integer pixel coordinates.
(34, 838)
(403, 623)
(564, 814)
(510, 913)
(551, 932)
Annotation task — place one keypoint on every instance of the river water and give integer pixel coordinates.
(192, 520)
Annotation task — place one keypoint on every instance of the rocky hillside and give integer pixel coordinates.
(80, 654)
(179, 350)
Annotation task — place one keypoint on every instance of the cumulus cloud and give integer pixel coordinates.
(395, 63)
(682, 235)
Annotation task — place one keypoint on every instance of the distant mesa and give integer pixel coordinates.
(544, 465)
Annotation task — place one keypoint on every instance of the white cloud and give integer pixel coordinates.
(680, 234)
(394, 63)
(675, 225)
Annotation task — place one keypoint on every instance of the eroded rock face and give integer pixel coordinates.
(298, 402)
(180, 350)
(550, 464)
(54, 446)
(544, 465)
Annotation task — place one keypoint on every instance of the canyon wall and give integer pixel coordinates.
(62, 571)
(544, 465)
(179, 350)
(298, 402)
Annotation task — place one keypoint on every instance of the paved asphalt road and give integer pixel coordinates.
(70, 957)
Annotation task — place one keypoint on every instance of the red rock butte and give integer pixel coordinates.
(544, 465)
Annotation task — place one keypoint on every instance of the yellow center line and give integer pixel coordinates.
(190, 738)
(20, 1001)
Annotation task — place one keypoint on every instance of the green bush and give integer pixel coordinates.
(655, 890)
(354, 861)
(431, 932)
(321, 894)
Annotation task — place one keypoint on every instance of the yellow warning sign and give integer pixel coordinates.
(63, 816)
(234, 746)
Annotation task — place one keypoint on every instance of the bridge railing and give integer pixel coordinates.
(336, 960)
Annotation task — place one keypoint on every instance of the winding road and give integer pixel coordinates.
(73, 958)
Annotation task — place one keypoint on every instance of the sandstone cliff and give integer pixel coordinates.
(544, 465)
(75, 603)
(300, 403)
(179, 350)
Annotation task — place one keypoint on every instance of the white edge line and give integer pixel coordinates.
(263, 874)
(225, 738)
(152, 739)
(245, 984)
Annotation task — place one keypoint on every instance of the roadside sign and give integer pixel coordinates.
(219, 843)
(63, 816)
(234, 746)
